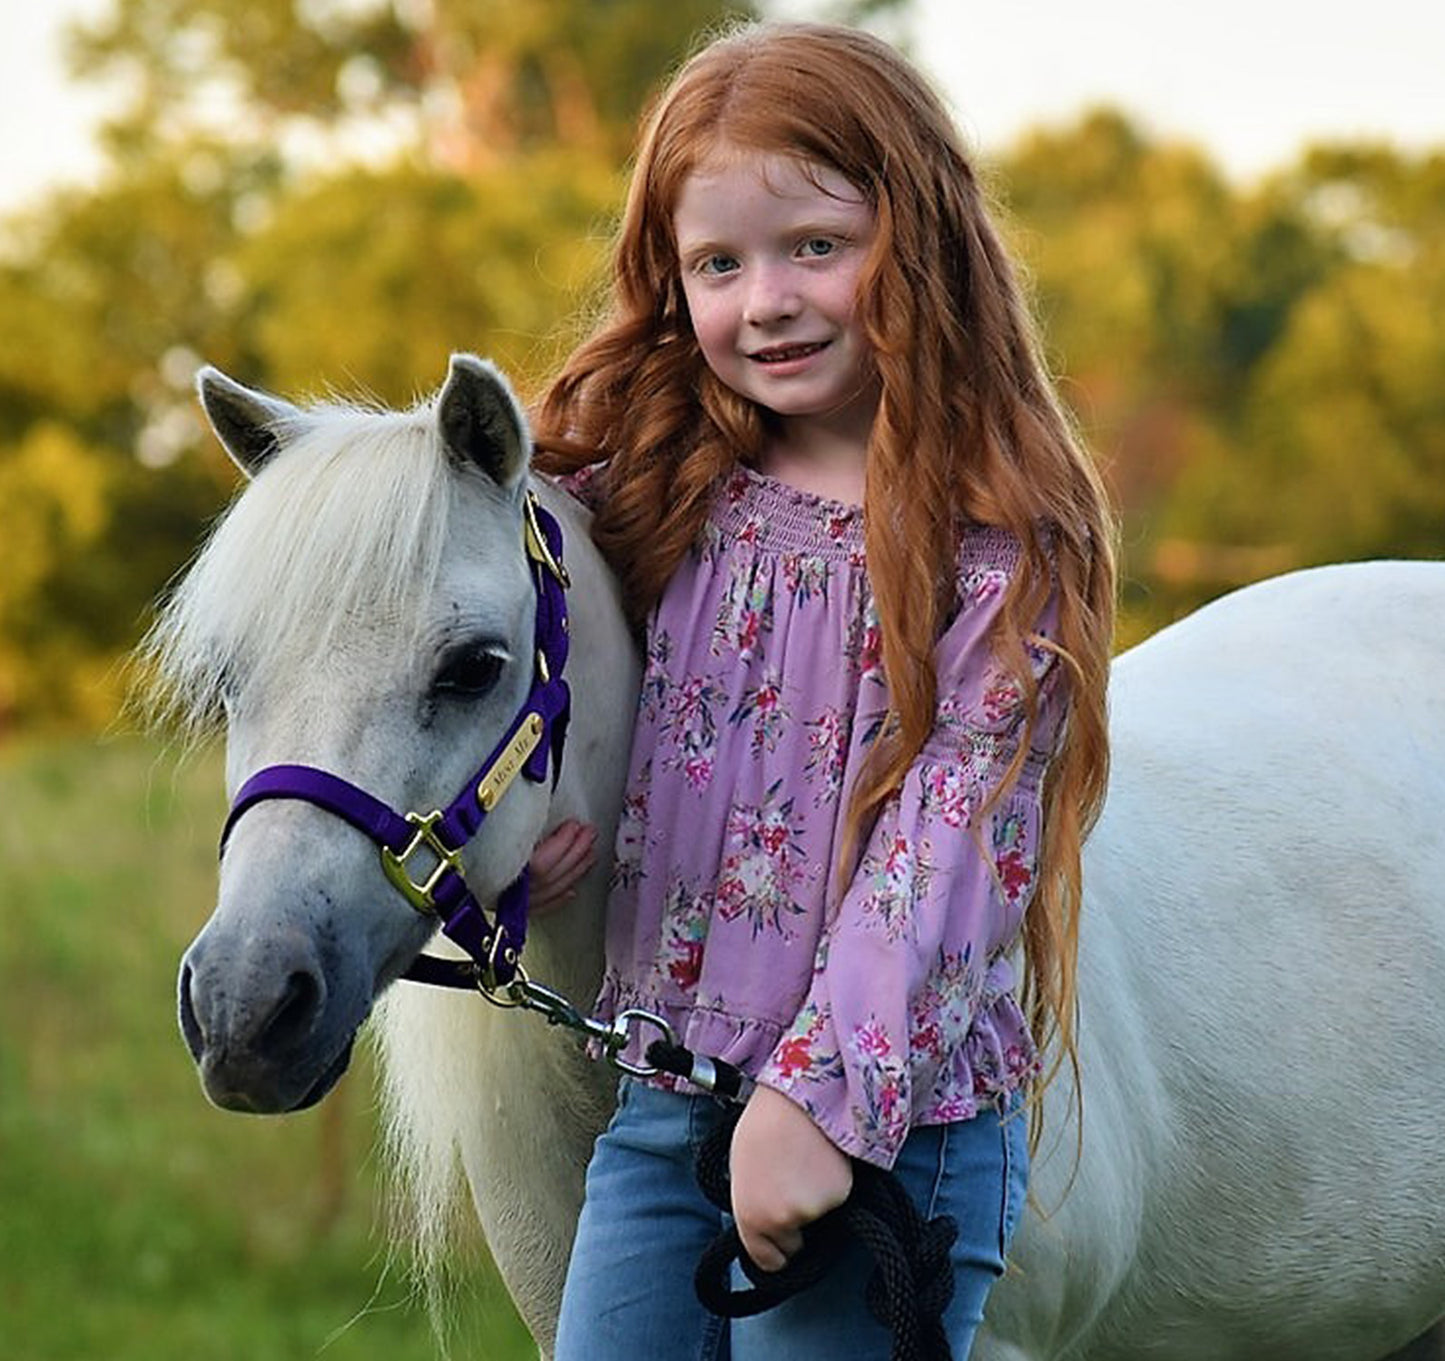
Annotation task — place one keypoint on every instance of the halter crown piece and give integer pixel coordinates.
(421, 853)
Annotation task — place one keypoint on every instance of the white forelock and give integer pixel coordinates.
(347, 522)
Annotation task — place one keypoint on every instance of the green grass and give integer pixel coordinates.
(137, 1223)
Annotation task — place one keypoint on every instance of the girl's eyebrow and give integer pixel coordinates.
(701, 246)
(825, 226)
(843, 221)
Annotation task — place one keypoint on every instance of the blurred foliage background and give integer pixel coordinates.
(334, 194)
(319, 194)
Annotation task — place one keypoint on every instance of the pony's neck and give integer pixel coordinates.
(518, 1098)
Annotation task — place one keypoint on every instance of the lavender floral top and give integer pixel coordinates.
(889, 1007)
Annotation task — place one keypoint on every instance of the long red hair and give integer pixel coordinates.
(968, 428)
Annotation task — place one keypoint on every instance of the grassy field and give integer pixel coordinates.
(136, 1222)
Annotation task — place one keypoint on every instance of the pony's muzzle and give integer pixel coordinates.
(257, 1034)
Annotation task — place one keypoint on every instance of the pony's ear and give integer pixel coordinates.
(482, 423)
(247, 422)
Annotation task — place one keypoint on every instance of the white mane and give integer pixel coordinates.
(353, 511)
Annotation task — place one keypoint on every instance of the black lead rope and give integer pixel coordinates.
(912, 1279)
(717, 1076)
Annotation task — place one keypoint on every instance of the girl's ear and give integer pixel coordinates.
(250, 424)
(482, 424)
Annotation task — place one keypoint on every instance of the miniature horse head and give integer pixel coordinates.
(366, 608)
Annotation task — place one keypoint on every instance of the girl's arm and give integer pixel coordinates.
(918, 945)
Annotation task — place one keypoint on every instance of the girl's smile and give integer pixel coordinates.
(772, 249)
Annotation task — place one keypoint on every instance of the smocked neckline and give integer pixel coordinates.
(752, 507)
(788, 491)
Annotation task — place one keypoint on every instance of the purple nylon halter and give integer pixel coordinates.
(530, 745)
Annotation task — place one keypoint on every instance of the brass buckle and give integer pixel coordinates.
(536, 542)
(420, 894)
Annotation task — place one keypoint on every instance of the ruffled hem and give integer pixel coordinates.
(843, 1132)
(996, 1062)
(741, 1042)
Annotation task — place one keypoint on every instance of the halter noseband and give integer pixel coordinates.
(533, 743)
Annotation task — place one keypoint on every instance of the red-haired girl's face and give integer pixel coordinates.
(771, 251)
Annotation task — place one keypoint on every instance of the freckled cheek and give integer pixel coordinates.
(715, 335)
(845, 301)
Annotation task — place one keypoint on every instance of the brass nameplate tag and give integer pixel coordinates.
(511, 760)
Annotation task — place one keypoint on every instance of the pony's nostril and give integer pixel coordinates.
(296, 1010)
(191, 1029)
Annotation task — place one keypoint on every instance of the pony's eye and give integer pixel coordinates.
(469, 673)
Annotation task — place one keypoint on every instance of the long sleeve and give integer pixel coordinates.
(911, 1008)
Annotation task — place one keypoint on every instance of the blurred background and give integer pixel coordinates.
(1234, 220)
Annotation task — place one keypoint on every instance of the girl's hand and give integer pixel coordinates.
(785, 1173)
(559, 860)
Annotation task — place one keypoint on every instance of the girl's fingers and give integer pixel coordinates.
(559, 861)
(785, 1174)
(771, 1253)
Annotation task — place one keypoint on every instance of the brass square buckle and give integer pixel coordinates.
(419, 893)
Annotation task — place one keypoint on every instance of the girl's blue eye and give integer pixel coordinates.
(818, 246)
(716, 264)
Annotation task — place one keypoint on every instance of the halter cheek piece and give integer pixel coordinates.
(421, 853)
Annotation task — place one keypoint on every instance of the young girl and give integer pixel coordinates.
(874, 570)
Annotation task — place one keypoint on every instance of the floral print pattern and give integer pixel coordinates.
(631, 837)
(685, 916)
(827, 751)
(884, 1001)
(764, 706)
(766, 863)
(689, 725)
(805, 1052)
(894, 875)
(745, 612)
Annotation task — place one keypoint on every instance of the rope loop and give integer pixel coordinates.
(912, 1280)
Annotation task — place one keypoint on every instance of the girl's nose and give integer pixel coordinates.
(771, 296)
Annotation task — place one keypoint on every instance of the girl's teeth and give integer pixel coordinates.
(787, 352)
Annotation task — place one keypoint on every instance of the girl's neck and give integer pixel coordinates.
(825, 458)
(835, 478)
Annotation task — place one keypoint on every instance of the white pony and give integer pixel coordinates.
(1262, 965)
(365, 608)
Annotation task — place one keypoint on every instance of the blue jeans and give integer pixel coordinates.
(645, 1222)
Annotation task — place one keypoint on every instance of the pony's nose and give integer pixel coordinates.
(260, 1009)
(191, 1029)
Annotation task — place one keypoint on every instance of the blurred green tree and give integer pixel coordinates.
(1258, 367)
(367, 279)
(315, 195)
(1336, 444)
(465, 82)
(99, 293)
